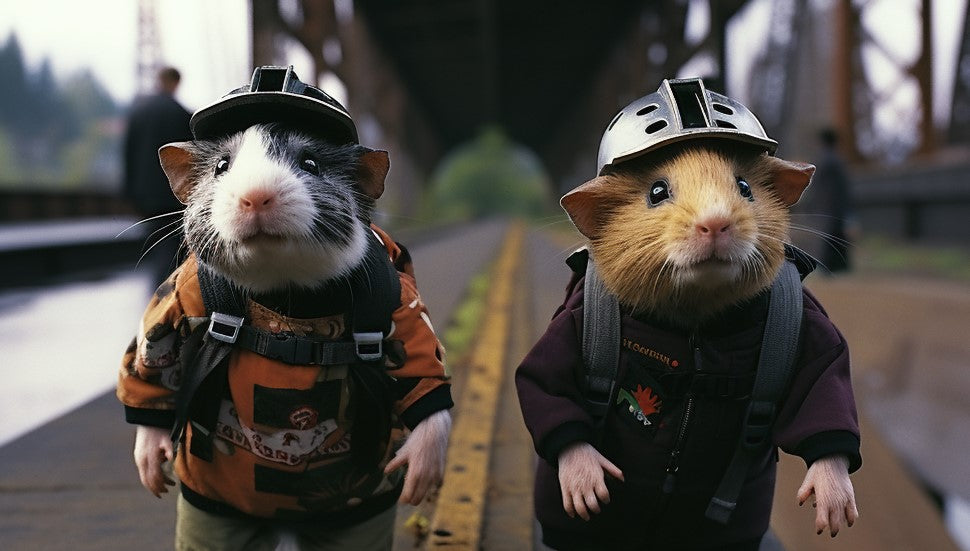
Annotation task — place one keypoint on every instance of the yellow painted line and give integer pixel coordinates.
(458, 513)
(508, 523)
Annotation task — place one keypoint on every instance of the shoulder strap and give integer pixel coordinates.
(601, 343)
(376, 292)
(204, 353)
(779, 347)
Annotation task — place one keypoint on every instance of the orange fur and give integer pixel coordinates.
(657, 260)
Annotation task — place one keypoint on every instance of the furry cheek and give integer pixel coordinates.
(223, 217)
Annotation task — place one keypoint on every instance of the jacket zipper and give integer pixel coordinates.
(673, 465)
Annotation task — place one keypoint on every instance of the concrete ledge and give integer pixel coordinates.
(35, 252)
(69, 232)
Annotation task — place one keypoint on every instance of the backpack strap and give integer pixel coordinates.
(204, 358)
(376, 291)
(779, 348)
(376, 294)
(601, 343)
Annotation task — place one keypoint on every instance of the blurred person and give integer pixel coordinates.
(831, 202)
(155, 120)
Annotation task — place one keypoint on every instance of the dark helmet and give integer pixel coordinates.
(275, 95)
(680, 110)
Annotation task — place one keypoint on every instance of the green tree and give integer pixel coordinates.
(490, 175)
(14, 110)
(88, 98)
(56, 120)
(51, 134)
(10, 171)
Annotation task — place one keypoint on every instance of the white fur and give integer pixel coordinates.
(274, 248)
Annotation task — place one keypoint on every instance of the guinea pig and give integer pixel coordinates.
(285, 217)
(689, 239)
(270, 208)
(687, 233)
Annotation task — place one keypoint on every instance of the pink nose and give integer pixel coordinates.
(713, 227)
(256, 200)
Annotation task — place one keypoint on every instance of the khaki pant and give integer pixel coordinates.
(197, 530)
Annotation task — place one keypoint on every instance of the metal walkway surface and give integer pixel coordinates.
(909, 344)
(42, 251)
(911, 368)
(71, 484)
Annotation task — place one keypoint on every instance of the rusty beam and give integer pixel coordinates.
(960, 111)
(265, 15)
(847, 40)
(922, 70)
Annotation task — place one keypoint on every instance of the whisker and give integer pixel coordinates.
(140, 222)
(817, 215)
(660, 274)
(163, 238)
(555, 221)
(824, 235)
(161, 229)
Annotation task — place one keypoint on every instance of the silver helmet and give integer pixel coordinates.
(680, 110)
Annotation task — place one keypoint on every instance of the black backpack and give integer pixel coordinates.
(779, 346)
(376, 292)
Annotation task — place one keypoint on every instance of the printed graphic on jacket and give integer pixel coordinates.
(641, 403)
(292, 426)
(648, 352)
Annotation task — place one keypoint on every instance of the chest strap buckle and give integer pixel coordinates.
(225, 328)
(369, 346)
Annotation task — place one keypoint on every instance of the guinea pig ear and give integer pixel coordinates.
(177, 160)
(789, 179)
(583, 205)
(372, 172)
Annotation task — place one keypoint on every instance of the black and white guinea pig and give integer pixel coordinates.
(270, 207)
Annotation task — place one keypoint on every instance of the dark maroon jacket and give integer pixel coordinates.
(661, 370)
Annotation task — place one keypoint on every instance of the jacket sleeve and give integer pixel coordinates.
(150, 373)
(421, 384)
(550, 383)
(818, 418)
(420, 377)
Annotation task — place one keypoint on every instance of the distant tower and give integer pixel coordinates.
(960, 118)
(148, 51)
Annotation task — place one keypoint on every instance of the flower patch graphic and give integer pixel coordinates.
(641, 403)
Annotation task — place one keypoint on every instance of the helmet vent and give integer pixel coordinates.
(648, 109)
(689, 99)
(656, 127)
(615, 120)
(720, 108)
(269, 79)
(725, 124)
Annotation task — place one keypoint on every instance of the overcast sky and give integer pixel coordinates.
(209, 40)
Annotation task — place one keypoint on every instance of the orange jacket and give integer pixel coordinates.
(284, 432)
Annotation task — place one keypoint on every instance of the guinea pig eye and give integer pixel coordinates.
(222, 165)
(744, 188)
(659, 192)
(309, 165)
